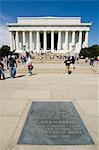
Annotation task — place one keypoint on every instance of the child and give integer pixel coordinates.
(30, 66)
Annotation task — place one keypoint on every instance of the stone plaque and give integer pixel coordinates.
(54, 123)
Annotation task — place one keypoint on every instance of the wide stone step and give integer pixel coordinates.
(58, 70)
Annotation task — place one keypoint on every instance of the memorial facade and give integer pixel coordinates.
(55, 34)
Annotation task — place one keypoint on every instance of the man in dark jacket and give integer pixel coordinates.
(11, 65)
(2, 70)
(67, 62)
(92, 61)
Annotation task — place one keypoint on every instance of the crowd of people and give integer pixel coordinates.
(70, 62)
(11, 63)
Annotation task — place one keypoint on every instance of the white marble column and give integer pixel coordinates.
(37, 41)
(52, 40)
(14, 46)
(17, 40)
(73, 38)
(30, 46)
(24, 41)
(11, 42)
(20, 45)
(59, 40)
(20, 40)
(66, 40)
(45, 41)
(26, 46)
(80, 40)
(86, 39)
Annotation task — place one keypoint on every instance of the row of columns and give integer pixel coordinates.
(45, 40)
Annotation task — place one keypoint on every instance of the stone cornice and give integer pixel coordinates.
(31, 25)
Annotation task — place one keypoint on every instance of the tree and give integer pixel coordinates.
(4, 51)
(90, 52)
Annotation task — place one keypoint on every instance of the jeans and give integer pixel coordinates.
(2, 74)
(30, 72)
(12, 71)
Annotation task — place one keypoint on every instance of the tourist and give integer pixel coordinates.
(67, 63)
(72, 62)
(2, 70)
(77, 59)
(29, 65)
(97, 59)
(23, 59)
(11, 65)
(86, 60)
(91, 61)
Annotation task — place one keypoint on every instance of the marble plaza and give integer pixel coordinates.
(16, 97)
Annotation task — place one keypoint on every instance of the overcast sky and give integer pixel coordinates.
(87, 10)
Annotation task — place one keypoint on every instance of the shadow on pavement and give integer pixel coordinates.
(19, 76)
(16, 76)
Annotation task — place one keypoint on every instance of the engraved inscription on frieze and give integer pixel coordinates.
(54, 123)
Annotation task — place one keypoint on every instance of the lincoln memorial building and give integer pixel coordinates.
(55, 34)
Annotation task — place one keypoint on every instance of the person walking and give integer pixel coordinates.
(97, 59)
(29, 65)
(67, 62)
(2, 70)
(91, 61)
(86, 60)
(73, 62)
(11, 62)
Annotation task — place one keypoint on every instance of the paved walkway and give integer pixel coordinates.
(17, 95)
